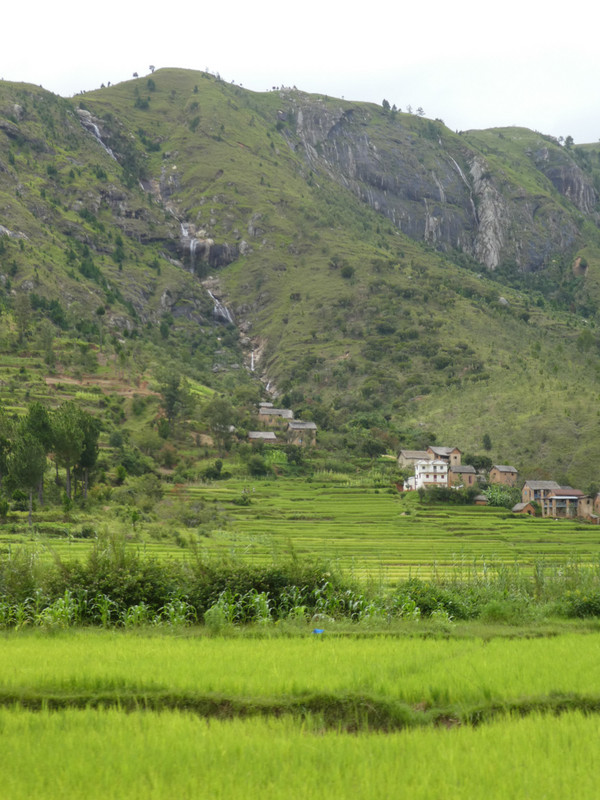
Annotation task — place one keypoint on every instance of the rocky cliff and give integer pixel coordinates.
(442, 188)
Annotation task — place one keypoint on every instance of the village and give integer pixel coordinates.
(292, 431)
(442, 466)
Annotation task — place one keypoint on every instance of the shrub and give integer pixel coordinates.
(257, 466)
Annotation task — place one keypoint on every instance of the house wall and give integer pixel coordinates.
(466, 478)
(455, 458)
(306, 438)
(506, 478)
(585, 507)
(431, 473)
(274, 420)
(405, 461)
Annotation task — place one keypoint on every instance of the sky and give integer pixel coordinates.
(470, 64)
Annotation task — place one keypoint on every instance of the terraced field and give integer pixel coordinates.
(382, 534)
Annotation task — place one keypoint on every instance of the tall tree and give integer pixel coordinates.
(27, 463)
(22, 312)
(170, 389)
(67, 438)
(220, 416)
(90, 428)
(37, 422)
(6, 436)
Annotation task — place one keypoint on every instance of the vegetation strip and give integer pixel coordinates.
(345, 713)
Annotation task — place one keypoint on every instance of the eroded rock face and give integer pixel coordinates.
(493, 217)
(441, 191)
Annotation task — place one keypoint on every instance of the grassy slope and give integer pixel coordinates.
(409, 339)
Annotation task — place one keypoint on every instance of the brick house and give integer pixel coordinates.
(501, 473)
(268, 437)
(462, 475)
(451, 455)
(303, 434)
(564, 502)
(536, 491)
(277, 417)
(524, 508)
(408, 458)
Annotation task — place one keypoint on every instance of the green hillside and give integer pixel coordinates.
(387, 277)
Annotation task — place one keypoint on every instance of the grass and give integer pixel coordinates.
(148, 715)
(464, 678)
(107, 754)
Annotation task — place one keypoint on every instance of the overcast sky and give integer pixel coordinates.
(472, 65)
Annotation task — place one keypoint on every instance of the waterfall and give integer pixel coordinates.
(190, 241)
(467, 184)
(252, 362)
(193, 245)
(93, 128)
(221, 312)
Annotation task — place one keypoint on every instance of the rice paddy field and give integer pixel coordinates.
(359, 524)
(379, 533)
(426, 709)
(108, 714)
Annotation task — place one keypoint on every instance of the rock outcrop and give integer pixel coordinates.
(441, 188)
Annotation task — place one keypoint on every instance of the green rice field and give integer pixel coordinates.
(436, 672)
(107, 714)
(84, 755)
(381, 534)
(368, 532)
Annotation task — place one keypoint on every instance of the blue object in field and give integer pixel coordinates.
(318, 630)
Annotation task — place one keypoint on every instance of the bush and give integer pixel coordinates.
(444, 494)
(583, 606)
(429, 598)
(257, 466)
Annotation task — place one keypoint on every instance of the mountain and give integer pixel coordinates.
(385, 276)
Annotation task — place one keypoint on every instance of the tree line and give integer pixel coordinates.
(67, 434)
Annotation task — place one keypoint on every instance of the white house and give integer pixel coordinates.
(428, 473)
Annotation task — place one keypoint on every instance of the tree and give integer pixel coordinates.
(37, 422)
(46, 341)
(385, 105)
(152, 68)
(487, 442)
(170, 389)
(569, 141)
(90, 428)
(219, 415)
(6, 436)
(67, 438)
(22, 311)
(27, 464)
